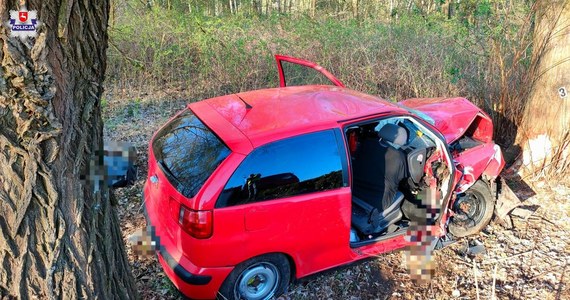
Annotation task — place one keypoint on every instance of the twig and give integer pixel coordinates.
(462, 262)
(494, 282)
(542, 273)
(132, 60)
(505, 258)
(476, 282)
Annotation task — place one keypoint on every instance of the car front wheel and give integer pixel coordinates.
(473, 210)
(259, 278)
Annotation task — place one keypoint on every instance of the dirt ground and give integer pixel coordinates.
(529, 261)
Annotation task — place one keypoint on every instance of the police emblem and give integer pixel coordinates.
(23, 23)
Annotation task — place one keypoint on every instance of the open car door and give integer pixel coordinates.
(295, 71)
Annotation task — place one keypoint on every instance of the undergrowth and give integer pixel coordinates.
(192, 56)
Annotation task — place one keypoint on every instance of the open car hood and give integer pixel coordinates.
(452, 116)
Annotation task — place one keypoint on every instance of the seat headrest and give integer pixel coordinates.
(394, 134)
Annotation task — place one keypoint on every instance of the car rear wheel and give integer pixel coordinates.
(473, 210)
(259, 278)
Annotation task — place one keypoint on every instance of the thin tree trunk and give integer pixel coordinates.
(544, 135)
(59, 236)
(313, 7)
(450, 9)
(257, 6)
(355, 8)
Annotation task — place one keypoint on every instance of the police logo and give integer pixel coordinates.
(23, 23)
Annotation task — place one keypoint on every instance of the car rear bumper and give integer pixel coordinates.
(203, 285)
(179, 271)
(193, 281)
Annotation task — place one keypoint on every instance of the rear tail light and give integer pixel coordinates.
(198, 224)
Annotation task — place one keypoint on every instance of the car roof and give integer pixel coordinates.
(267, 115)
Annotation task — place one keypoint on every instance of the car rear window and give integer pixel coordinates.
(187, 151)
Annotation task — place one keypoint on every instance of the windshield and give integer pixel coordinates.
(188, 152)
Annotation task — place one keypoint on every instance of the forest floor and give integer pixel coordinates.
(529, 261)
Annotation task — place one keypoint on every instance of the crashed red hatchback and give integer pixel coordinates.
(248, 191)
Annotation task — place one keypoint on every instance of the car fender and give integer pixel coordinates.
(496, 164)
(485, 160)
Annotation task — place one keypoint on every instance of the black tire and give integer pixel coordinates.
(473, 211)
(260, 269)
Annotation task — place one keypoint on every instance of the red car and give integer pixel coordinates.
(248, 191)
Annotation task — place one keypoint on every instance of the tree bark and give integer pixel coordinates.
(544, 134)
(59, 234)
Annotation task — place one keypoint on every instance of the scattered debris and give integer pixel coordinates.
(474, 247)
(524, 212)
(456, 293)
(506, 202)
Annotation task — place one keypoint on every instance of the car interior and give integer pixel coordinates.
(373, 217)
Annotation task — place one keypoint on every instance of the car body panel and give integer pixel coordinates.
(166, 233)
(206, 198)
(284, 112)
(452, 116)
(474, 162)
(231, 136)
(496, 164)
(325, 215)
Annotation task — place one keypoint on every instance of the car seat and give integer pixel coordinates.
(367, 218)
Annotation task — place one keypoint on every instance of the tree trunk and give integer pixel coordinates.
(544, 134)
(59, 234)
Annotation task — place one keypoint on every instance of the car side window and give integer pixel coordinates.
(293, 166)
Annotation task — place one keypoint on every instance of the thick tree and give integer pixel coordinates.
(59, 234)
(544, 134)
